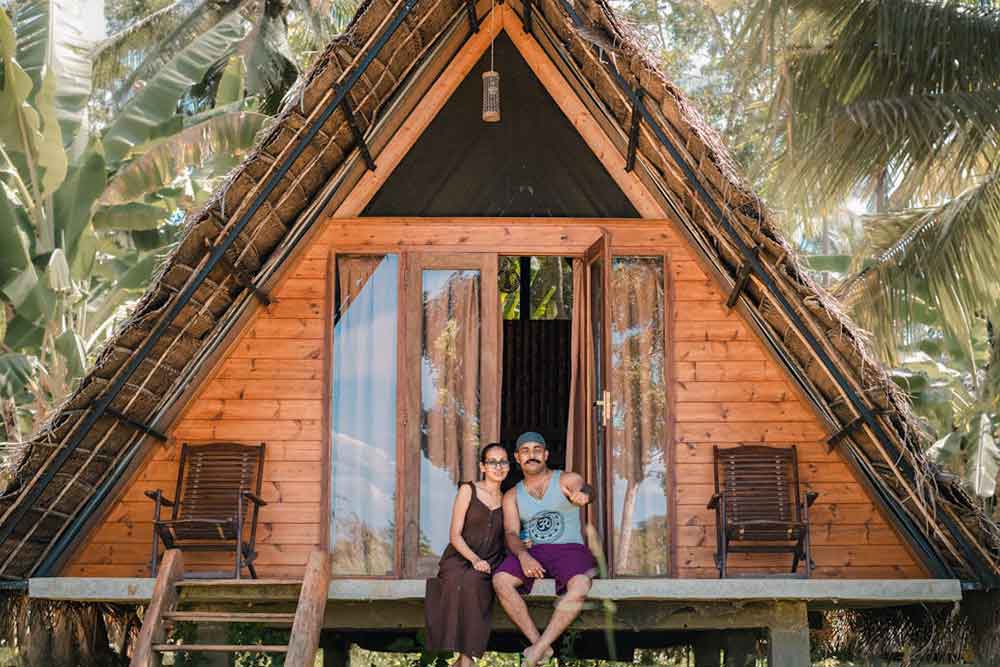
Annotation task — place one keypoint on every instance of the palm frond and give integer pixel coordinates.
(201, 19)
(118, 55)
(229, 134)
(902, 90)
(942, 257)
(157, 100)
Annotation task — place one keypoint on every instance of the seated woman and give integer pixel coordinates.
(459, 600)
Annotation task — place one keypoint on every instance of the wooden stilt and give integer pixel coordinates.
(336, 651)
(788, 636)
(740, 648)
(707, 650)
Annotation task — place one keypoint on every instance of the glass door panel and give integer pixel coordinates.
(456, 311)
(640, 418)
(363, 415)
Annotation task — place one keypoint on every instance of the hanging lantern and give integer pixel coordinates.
(491, 97)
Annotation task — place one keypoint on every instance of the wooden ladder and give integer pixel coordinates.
(306, 622)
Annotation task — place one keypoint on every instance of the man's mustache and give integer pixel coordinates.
(533, 461)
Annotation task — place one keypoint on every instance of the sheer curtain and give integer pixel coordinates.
(450, 372)
(363, 416)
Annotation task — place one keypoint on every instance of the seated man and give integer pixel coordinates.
(547, 505)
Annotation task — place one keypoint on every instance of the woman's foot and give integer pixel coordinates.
(532, 657)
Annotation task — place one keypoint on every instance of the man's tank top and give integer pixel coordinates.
(551, 520)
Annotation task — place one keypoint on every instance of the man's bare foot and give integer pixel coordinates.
(532, 657)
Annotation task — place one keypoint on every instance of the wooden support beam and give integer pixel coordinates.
(742, 278)
(241, 276)
(848, 429)
(164, 599)
(633, 130)
(138, 425)
(308, 623)
(788, 636)
(470, 12)
(527, 16)
(359, 136)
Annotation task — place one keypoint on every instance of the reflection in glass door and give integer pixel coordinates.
(640, 418)
(455, 315)
(363, 415)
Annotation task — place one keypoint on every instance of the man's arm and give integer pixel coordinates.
(576, 490)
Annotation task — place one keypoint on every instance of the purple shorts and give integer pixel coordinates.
(562, 562)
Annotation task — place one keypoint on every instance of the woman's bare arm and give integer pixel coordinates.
(458, 512)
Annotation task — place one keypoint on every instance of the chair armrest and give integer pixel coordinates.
(257, 500)
(158, 495)
(811, 497)
(713, 502)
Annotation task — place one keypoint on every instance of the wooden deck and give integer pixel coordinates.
(817, 593)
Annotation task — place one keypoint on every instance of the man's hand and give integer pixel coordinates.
(531, 567)
(582, 496)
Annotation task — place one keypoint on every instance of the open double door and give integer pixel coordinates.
(452, 352)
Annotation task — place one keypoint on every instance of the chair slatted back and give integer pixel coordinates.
(760, 483)
(213, 476)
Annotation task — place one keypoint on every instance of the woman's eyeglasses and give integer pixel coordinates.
(497, 464)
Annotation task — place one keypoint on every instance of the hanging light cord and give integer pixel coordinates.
(493, 34)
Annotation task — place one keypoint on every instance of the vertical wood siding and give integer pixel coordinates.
(270, 388)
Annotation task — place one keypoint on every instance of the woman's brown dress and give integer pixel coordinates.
(459, 601)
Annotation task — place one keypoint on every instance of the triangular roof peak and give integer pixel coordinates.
(393, 68)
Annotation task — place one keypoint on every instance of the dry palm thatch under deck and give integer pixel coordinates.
(238, 241)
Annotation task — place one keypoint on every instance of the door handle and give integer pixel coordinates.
(605, 405)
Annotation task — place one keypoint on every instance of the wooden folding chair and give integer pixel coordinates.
(758, 507)
(218, 490)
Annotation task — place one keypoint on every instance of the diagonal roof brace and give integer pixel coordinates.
(359, 137)
(633, 130)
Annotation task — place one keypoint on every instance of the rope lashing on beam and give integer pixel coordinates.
(976, 562)
(101, 405)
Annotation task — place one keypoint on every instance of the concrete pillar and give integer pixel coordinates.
(788, 636)
(740, 648)
(707, 650)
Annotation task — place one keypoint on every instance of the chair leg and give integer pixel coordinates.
(723, 557)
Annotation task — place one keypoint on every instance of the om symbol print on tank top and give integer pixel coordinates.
(546, 527)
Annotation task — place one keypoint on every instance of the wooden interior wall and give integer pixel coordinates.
(270, 388)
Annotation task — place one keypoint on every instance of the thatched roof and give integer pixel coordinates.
(71, 467)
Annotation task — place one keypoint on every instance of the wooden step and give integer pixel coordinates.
(219, 648)
(229, 617)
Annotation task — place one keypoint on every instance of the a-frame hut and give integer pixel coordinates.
(388, 281)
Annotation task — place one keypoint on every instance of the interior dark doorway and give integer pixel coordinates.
(536, 298)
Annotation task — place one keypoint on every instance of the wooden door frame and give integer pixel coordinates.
(450, 243)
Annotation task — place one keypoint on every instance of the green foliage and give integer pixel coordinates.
(104, 145)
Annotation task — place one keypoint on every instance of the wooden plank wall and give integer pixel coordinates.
(729, 391)
(270, 388)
